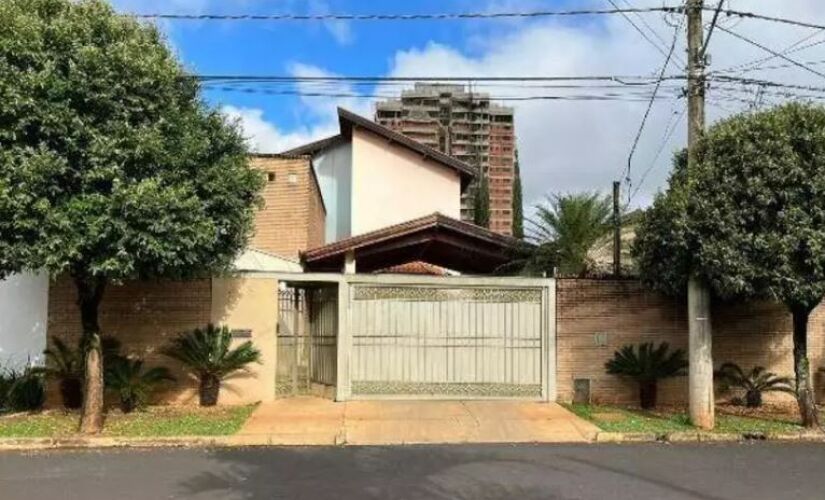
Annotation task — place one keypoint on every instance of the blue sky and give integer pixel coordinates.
(564, 145)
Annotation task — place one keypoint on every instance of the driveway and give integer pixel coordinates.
(732, 471)
(315, 421)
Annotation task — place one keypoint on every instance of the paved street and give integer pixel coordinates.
(710, 472)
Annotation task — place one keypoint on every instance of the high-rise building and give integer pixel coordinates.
(468, 126)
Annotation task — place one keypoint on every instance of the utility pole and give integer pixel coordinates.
(700, 376)
(617, 231)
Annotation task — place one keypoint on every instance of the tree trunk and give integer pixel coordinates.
(90, 293)
(801, 365)
(210, 387)
(648, 390)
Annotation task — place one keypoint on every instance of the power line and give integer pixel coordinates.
(457, 16)
(301, 93)
(756, 64)
(639, 30)
(669, 130)
(710, 31)
(676, 31)
(772, 52)
(391, 17)
(621, 79)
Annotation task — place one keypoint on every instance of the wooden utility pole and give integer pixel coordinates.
(617, 231)
(700, 377)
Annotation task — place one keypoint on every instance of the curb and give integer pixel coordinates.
(706, 437)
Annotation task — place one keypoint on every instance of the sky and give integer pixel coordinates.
(564, 146)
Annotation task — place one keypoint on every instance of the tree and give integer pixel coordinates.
(481, 202)
(573, 223)
(111, 167)
(518, 202)
(749, 220)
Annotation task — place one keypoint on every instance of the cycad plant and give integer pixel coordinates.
(755, 382)
(133, 384)
(647, 365)
(208, 355)
(66, 365)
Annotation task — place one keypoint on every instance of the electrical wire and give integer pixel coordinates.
(676, 31)
(458, 16)
(772, 52)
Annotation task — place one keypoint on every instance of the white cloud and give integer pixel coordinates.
(264, 137)
(341, 31)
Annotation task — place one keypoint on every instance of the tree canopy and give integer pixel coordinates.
(750, 218)
(110, 163)
(568, 225)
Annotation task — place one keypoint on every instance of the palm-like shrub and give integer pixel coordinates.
(755, 382)
(66, 365)
(647, 365)
(22, 390)
(132, 383)
(208, 355)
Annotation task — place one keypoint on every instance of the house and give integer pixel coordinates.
(342, 218)
(318, 293)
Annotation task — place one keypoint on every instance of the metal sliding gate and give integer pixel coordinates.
(442, 339)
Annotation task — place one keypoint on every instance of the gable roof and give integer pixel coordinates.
(348, 121)
(435, 239)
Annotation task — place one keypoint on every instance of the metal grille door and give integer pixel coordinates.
(451, 341)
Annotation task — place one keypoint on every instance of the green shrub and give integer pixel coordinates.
(133, 384)
(207, 355)
(754, 383)
(647, 366)
(27, 391)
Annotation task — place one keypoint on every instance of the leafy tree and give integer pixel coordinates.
(568, 226)
(647, 365)
(481, 202)
(754, 383)
(111, 166)
(518, 202)
(206, 353)
(749, 220)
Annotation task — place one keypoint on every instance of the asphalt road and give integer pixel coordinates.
(521, 472)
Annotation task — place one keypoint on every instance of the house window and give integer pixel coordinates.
(270, 176)
(293, 178)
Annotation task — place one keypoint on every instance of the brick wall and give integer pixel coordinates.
(624, 312)
(143, 316)
(292, 218)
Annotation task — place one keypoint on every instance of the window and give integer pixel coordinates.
(270, 176)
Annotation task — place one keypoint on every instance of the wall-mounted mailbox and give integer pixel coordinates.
(240, 333)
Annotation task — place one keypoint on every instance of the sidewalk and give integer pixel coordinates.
(315, 421)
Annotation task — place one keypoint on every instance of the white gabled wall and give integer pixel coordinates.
(23, 318)
(391, 184)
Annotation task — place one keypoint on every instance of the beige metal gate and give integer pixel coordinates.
(307, 330)
(450, 337)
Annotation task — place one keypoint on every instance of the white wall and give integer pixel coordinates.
(333, 168)
(391, 184)
(23, 316)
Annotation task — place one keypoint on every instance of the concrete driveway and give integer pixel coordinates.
(316, 421)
